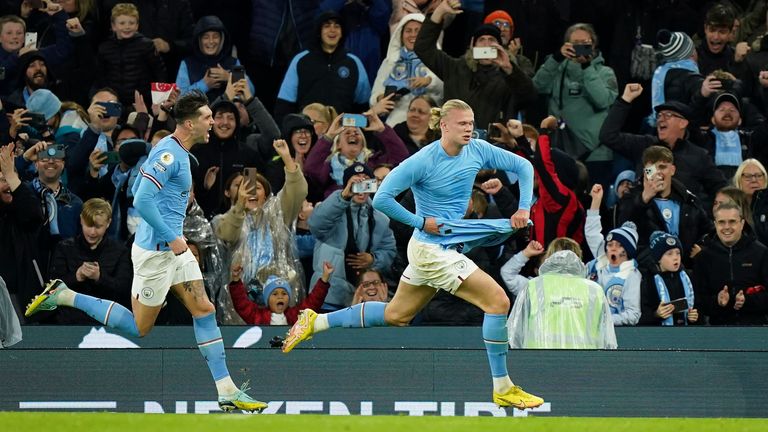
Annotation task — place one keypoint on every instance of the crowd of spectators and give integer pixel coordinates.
(632, 135)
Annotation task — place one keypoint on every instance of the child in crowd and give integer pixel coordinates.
(667, 285)
(615, 267)
(277, 296)
(128, 59)
(510, 271)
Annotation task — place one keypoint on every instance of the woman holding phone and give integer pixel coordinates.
(258, 226)
(341, 146)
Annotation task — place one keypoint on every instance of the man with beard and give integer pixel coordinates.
(33, 75)
(728, 142)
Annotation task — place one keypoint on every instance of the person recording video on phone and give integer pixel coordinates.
(344, 144)
(351, 235)
(484, 77)
(15, 41)
(662, 203)
(61, 206)
(580, 88)
(92, 263)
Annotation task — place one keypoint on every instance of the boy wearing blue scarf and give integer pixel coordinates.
(666, 283)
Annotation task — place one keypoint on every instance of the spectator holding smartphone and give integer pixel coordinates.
(580, 88)
(403, 73)
(342, 146)
(668, 281)
(208, 68)
(351, 235)
(92, 263)
(12, 38)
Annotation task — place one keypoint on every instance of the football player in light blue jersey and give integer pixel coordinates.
(161, 259)
(441, 177)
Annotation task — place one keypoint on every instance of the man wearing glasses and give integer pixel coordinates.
(695, 168)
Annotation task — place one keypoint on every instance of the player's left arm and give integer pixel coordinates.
(155, 173)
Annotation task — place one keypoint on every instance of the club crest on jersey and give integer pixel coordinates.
(166, 158)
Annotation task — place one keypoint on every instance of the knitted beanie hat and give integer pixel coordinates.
(673, 46)
(661, 242)
(626, 234)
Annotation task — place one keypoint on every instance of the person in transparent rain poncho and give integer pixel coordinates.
(213, 262)
(259, 228)
(561, 309)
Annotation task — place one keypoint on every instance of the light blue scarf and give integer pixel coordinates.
(661, 288)
(407, 66)
(657, 83)
(727, 148)
(51, 207)
(339, 163)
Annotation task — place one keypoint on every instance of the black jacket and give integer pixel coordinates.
(695, 168)
(742, 267)
(20, 224)
(116, 274)
(694, 220)
(649, 298)
(488, 90)
(709, 62)
(130, 64)
(752, 145)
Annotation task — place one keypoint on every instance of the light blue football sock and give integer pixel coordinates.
(495, 338)
(367, 314)
(109, 313)
(211, 345)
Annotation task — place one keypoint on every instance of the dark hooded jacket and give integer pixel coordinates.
(198, 63)
(16, 99)
(337, 79)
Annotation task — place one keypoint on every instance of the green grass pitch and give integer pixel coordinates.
(108, 422)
